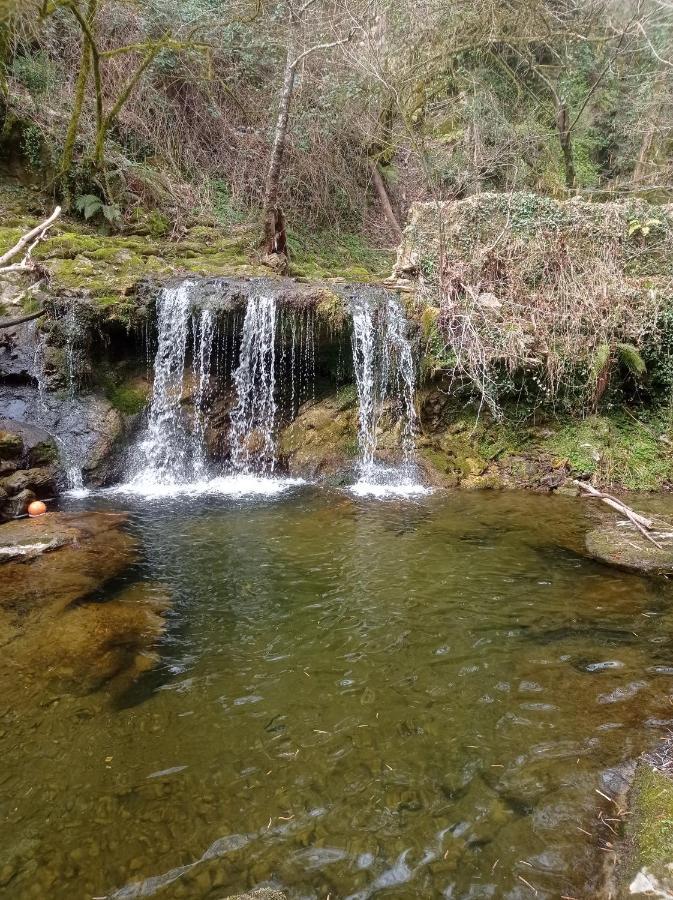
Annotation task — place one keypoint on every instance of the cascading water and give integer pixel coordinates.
(204, 332)
(384, 375)
(252, 419)
(164, 447)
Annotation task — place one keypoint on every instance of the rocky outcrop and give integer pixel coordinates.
(28, 467)
(86, 429)
(645, 862)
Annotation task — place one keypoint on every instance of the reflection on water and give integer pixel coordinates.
(355, 699)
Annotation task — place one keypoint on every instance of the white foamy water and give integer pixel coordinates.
(385, 380)
(400, 489)
(388, 482)
(226, 485)
(77, 493)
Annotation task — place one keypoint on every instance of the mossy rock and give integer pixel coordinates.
(11, 445)
(625, 547)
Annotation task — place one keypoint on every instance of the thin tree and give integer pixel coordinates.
(275, 236)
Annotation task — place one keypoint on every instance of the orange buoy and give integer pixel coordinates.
(36, 508)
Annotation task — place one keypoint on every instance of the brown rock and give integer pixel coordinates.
(18, 504)
(37, 480)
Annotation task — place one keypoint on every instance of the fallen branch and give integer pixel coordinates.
(9, 323)
(31, 238)
(643, 525)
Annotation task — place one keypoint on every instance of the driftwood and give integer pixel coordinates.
(643, 524)
(28, 243)
(9, 323)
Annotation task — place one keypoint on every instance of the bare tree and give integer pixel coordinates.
(275, 237)
(91, 60)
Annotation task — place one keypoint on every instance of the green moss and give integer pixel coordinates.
(44, 454)
(331, 310)
(651, 826)
(129, 397)
(11, 445)
(326, 254)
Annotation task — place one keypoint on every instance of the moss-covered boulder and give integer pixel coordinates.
(323, 439)
(623, 546)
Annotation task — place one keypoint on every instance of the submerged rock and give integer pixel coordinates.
(623, 546)
(54, 625)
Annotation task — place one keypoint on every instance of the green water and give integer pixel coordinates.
(354, 699)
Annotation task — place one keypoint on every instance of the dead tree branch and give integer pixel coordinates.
(29, 240)
(643, 524)
(10, 323)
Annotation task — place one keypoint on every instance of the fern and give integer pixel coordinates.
(88, 205)
(600, 361)
(629, 356)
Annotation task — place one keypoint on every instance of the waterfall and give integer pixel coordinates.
(385, 380)
(204, 333)
(165, 446)
(364, 353)
(253, 417)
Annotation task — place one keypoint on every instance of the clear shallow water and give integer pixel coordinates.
(355, 699)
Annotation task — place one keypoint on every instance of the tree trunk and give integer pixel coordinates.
(563, 125)
(380, 186)
(275, 239)
(78, 103)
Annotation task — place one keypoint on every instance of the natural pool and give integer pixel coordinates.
(354, 699)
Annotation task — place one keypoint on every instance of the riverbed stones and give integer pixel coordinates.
(623, 546)
(258, 894)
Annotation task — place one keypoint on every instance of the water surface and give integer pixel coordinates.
(355, 699)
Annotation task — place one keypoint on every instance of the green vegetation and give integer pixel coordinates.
(328, 254)
(650, 828)
(128, 397)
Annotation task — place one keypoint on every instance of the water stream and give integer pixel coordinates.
(385, 379)
(164, 449)
(253, 417)
(354, 699)
(204, 334)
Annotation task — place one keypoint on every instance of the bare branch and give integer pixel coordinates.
(34, 235)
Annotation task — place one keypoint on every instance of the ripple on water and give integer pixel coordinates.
(354, 700)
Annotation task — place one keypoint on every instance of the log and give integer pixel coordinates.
(9, 323)
(33, 235)
(643, 525)
(380, 186)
